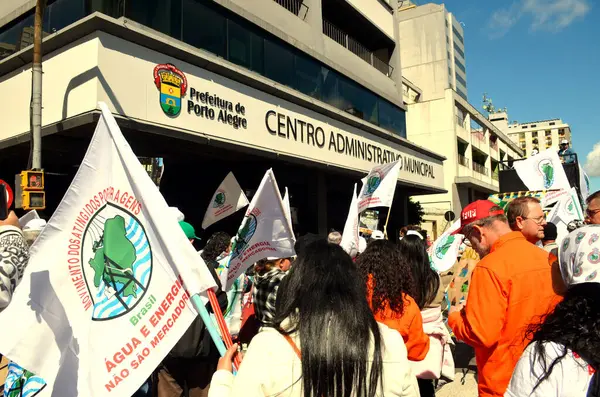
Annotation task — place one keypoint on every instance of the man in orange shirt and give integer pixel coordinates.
(511, 287)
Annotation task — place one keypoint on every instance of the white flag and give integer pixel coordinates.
(568, 208)
(350, 235)
(106, 294)
(265, 231)
(584, 183)
(542, 172)
(444, 251)
(286, 206)
(228, 199)
(379, 186)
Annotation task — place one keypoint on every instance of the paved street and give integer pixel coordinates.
(463, 358)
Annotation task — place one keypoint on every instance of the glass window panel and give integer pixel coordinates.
(459, 65)
(279, 63)
(16, 37)
(359, 102)
(245, 47)
(462, 54)
(113, 8)
(309, 77)
(161, 15)
(392, 118)
(457, 34)
(62, 13)
(330, 92)
(204, 27)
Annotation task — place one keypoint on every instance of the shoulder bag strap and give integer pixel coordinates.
(293, 345)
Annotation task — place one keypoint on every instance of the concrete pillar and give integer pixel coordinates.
(314, 18)
(321, 203)
(395, 60)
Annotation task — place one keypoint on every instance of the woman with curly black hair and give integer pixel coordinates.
(564, 355)
(390, 286)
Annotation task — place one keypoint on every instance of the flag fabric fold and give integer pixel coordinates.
(227, 200)
(379, 186)
(542, 172)
(350, 236)
(106, 294)
(444, 251)
(265, 231)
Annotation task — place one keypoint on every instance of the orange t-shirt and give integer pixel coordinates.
(510, 289)
(409, 324)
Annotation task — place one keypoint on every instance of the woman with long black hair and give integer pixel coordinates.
(427, 292)
(564, 355)
(390, 290)
(325, 342)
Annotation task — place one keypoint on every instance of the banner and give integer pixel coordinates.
(546, 197)
(106, 294)
(228, 199)
(567, 209)
(350, 235)
(379, 186)
(443, 253)
(265, 231)
(542, 172)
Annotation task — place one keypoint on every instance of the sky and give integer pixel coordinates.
(541, 60)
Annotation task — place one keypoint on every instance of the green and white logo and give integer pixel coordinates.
(117, 261)
(444, 245)
(546, 168)
(219, 199)
(373, 183)
(244, 236)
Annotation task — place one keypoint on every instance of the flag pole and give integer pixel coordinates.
(387, 219)
(214, 333)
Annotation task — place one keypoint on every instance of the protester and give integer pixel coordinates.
(334, 237)
(525, 215)
(567, 155)
(192, 362)
(268, 275)
(550, 236)
(564, 356)
(593, 209)
(14, 256)
(325, 342)
(429, 295)
(390, 287)
(510, 286)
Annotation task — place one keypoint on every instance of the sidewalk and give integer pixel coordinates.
(464, 358)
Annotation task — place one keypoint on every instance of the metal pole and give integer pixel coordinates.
(36, 88)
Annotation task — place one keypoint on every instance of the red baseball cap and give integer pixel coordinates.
(475, 211)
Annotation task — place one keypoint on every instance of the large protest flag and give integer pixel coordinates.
(443, 253)
(265, 230)
(227, 200)
(106, 294)
(350, 234)
(379, 186)
(542, 172)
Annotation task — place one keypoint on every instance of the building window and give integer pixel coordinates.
(213, 37)
(561, 132)
(534, 134)
(462, 54)
(462, 94)
(461, 80)
(548, 133)
(523, 127)
(522, 136)
(552, 123)
(459, 65)
(533, 125)
(458, 35)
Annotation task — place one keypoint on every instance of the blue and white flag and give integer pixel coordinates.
(106, 294)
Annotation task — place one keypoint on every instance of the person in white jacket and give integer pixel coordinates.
(325, 340)
(14, 256)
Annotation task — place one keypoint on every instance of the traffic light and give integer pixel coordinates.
(32, 190)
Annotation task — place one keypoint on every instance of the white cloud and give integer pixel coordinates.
(548, 15)
(592, 165)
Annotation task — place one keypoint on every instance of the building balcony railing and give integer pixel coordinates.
(495, 175)
(462, 160)
(343, 39)
(479, 168)
(296, 7)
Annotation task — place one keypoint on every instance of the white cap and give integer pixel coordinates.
(35, 224)
(377, 235)
(564, 141)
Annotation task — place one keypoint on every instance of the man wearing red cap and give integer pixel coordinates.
(511, 287)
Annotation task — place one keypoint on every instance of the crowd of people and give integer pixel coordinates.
(380, 324)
